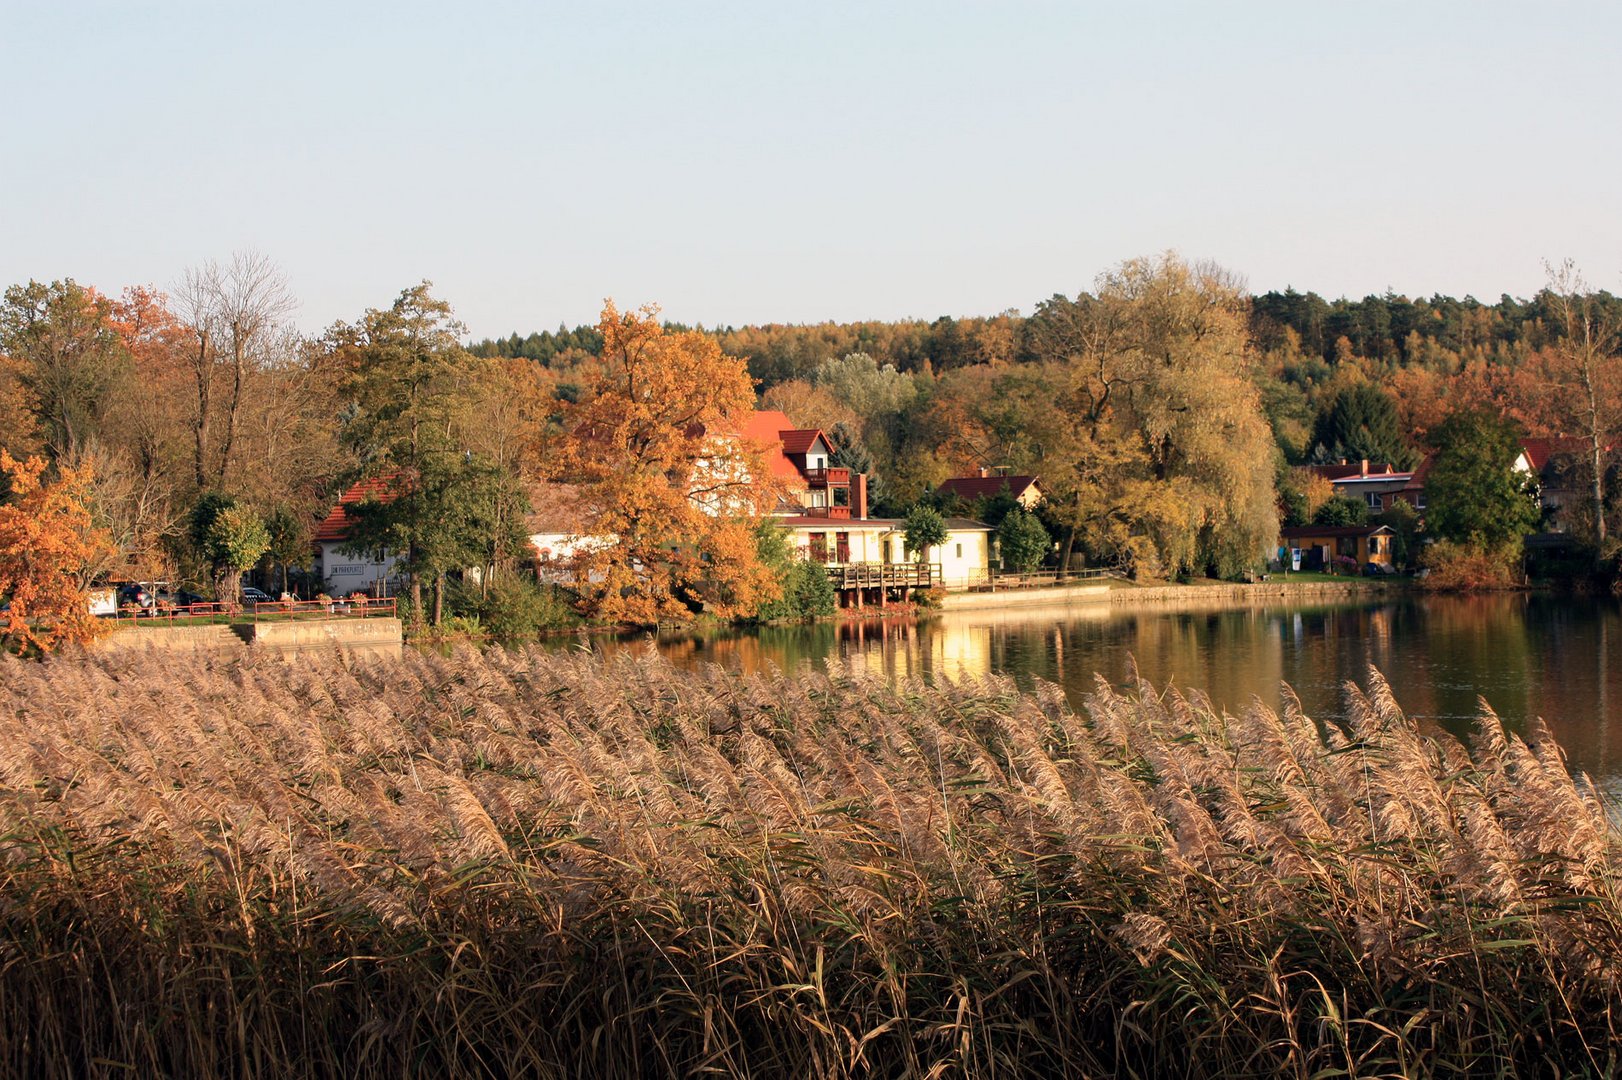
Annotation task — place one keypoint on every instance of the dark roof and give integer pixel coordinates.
(970, 488)
(1334, 532)
(1346, 469)
(335, 526)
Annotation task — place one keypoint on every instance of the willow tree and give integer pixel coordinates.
(672, 498)
(1154, 448)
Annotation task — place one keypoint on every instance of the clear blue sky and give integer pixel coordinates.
(794, 162)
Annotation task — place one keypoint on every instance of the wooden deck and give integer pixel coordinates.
(908, 575)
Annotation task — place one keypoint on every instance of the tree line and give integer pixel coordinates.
(1162, 408)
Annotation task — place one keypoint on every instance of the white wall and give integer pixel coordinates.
(345, 574)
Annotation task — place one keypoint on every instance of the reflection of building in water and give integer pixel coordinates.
(958, 650)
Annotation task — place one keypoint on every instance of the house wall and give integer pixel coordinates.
(345, 574)
(965, 558)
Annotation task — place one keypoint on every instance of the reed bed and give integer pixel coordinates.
(518, 864)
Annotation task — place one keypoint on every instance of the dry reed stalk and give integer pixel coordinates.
(520, 863)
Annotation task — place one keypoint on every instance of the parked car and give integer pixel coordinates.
(185, 598)
(135, 596)
(252, 597)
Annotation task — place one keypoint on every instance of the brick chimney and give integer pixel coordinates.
(1365, 466)
(984, 472)
(858, 496)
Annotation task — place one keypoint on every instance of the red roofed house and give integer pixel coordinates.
(825, 512)
(345, 574)
(1378, 486)
(1558, 466)
(1026, 490)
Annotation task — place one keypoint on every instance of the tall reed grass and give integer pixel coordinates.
(517, 864)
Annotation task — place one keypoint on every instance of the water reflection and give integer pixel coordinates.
(1525, 655)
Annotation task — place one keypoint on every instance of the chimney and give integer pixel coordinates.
(984, 472)
(858, 497)
(1365, 466)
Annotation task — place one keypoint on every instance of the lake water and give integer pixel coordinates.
(1527, 655)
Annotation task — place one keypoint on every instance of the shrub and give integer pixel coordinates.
(808, 593)
(512, 607)
(1022, 541)
(1470, 567)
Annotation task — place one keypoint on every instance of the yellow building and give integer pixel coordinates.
(1321, 545)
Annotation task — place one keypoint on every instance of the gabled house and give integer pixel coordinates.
(1558, 467)
(825, 511)
(1025, 490)
(344, 574)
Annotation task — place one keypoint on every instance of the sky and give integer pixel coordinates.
(795, 162)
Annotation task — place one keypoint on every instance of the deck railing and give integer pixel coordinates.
(264, 611)
(995, 580)
(883, 575)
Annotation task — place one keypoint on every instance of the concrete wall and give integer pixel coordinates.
(1058, 595)
(367, 637)
(1262, 590)
(362, 637)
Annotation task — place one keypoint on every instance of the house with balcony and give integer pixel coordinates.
(824, 509)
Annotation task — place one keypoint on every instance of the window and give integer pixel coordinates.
(841, 496)
(1375, 501)
(960, 551)
(1419, 501)
(1348, 546)
(842, 547)
(819, 547)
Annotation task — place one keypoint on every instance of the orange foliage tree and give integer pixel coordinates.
(47, 541)
(672, 494)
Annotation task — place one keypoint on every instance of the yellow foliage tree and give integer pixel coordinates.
(47, 540)
(672, 493)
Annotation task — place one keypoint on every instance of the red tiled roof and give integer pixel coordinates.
(335, 526)
(970, 488)
(1539, 451)
(799, 440)
(764, 429)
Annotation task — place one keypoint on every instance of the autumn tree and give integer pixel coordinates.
(1147, 425)
(47, 542)
(65, 357)
(673, 495)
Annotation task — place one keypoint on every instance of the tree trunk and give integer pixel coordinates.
(439, 597)
(203, 369)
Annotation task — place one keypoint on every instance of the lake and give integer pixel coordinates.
(1526, 654)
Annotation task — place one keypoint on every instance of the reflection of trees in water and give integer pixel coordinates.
(1528, 655)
